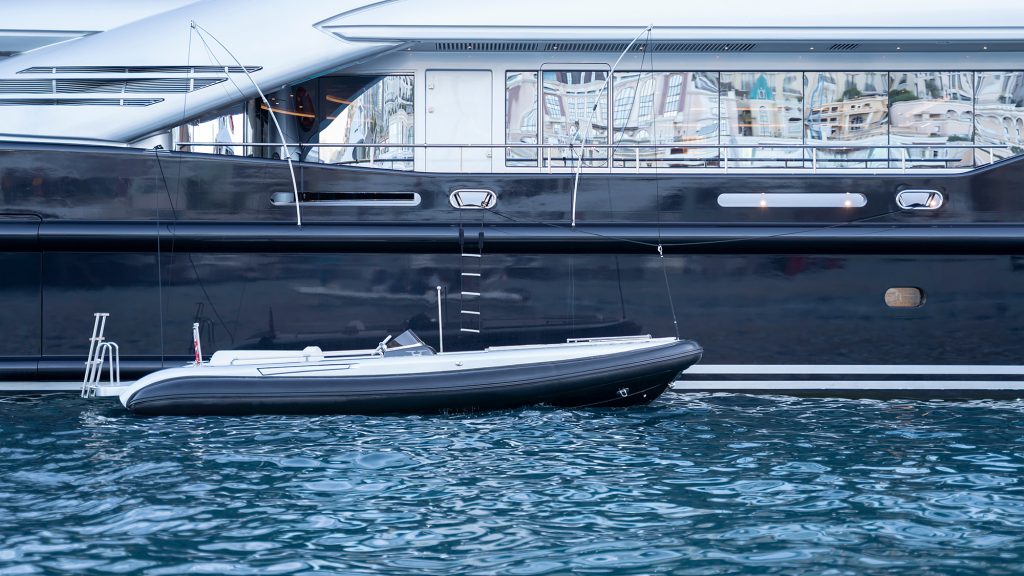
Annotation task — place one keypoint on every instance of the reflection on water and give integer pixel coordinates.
(693, 484)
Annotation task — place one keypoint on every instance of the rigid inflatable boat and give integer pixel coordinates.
(405, 375)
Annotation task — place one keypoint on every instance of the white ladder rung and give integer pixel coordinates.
(470, 312)
(469, 330)
(477, 274)
(464, 293)
(472, 255)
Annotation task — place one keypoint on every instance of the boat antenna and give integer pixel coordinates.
(597, 102)
(284, 141)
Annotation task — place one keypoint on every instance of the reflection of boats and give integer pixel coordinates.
(406, 375)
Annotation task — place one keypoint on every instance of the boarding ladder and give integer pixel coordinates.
(471, 287)
(100, 350)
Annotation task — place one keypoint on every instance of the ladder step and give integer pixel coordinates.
(464, 293)
(472, 255)
(470, 330)
(477, 274)
(470, 312)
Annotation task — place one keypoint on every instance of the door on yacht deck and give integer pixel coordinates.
(458, 112)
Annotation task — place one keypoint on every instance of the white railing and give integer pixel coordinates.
(548, 157)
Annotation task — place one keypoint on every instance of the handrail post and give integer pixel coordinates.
(547, 154)
(814, 160)
(903, 159)
(636, 156)
(725, 159)
(440, 320)
(371, 157)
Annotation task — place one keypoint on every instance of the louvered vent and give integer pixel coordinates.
(844, 47)
(80, 102)
(109, 86)
(682, 47)
(136, 69)
(485, 47)
(590, 47)
(26, 86)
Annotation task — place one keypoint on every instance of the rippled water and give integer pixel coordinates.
(690, 485)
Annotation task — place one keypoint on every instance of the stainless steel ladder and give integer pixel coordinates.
(471, 286)
(100, 350)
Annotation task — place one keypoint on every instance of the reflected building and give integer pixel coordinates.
(1000, 114)
(761, 109)
(929, 111)
(666, 118)
(847, 108)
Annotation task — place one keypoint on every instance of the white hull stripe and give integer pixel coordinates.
(798, 369)
(834, 385)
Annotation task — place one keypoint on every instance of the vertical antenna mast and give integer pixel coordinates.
(284, 141)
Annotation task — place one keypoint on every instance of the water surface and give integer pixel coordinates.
(693, 484)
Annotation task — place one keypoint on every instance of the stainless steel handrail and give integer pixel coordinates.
(546, 161)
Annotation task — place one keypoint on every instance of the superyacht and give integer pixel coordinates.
(827, 197)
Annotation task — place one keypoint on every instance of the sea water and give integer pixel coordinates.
(693, 484)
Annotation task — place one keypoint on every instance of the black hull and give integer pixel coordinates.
(623, 379)
(195, 238)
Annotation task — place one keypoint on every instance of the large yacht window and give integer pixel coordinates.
(670, 113)
(296, 111)
(364, 110)
(932, 113)
(521, 117)
(368, 110)
(571, 119)
(760, 109)
(848, 109)
(999, 115)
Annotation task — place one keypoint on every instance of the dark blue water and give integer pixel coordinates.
(693, 484)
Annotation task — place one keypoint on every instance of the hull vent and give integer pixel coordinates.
(80, 101)
(844, 47)
(136, 69)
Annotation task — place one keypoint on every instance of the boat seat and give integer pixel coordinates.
(236, 357)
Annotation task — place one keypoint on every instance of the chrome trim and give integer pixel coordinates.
(920, 199)
(473, 199)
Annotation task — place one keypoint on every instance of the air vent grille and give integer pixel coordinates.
(485, 47)
(590, 47)
(80, 101)
(137, 69)
(844, 47)
(677, 47)
(26, 86)
(107, 85)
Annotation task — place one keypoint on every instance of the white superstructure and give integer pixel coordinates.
(128, 73)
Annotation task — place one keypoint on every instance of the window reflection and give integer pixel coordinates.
(521, 117)
(999, 115)
(571, 119)
(296, 113)
(673, 110)
(931, 112)
(848, 108)
(228, 127)
(368, 110)
(761, 109)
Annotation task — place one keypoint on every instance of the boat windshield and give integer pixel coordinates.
(407, 338)
(405, 344)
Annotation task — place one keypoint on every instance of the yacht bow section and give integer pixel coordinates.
(125, 83)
